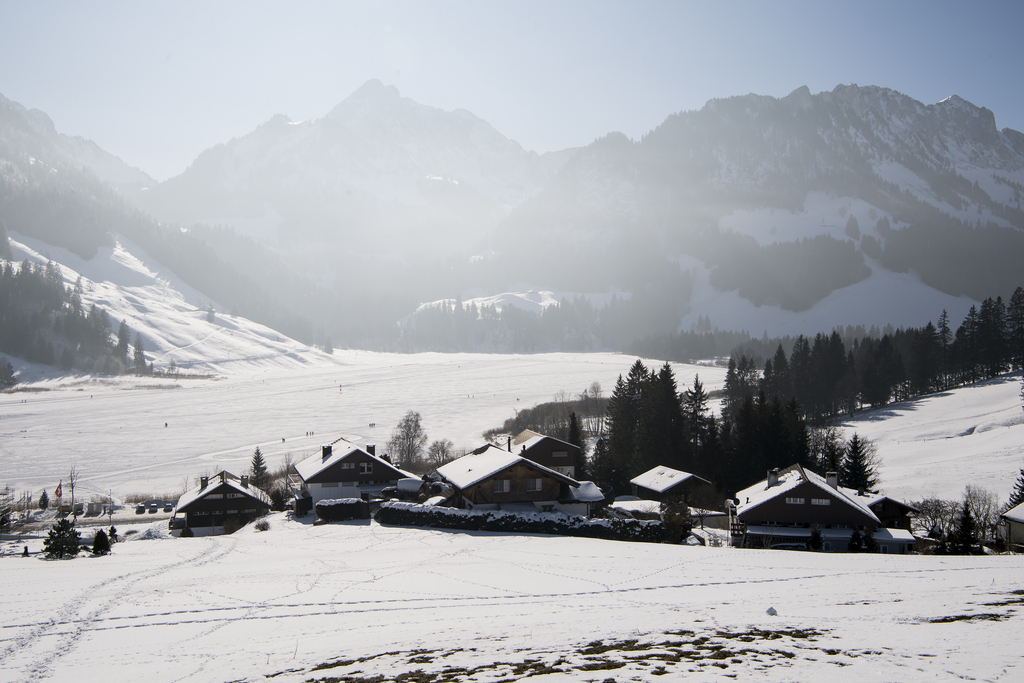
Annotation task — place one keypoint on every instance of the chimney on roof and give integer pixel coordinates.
(245, 481)
(509, 444)
(325, 452)
(203, 482)
(832, 479)
(223, 476)
(371, 448)
(773, 477)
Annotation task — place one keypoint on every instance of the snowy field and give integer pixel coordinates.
(113, 429)
(360, 600)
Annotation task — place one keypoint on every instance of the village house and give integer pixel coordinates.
(218, 506)
(555, 454)
(492, 478)
(664, 483)
(342, 470)
(1012, 528)
(781, 511)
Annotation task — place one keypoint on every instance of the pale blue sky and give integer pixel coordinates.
(158, 83)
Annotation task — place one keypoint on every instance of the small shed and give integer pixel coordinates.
(662, 483)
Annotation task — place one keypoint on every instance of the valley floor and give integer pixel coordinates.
(355, 600)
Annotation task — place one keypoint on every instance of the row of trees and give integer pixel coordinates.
(827, 377)
(650, 423)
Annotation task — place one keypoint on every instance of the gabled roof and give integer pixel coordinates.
(873, 498)
(315, 464)
(217, 486)
(486, 462)
(792, 477)
(534, 438)
(1015, 514)
(661, 478)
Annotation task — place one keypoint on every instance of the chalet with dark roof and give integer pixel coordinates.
(781, 510)
(218, 506)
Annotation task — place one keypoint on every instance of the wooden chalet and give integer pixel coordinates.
(555, 454)
(781, 510)
(218, 506)
(492, 478)
(343, 471)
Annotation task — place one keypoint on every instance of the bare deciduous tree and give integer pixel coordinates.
(440, 452)
(407, 441)
(984, 507)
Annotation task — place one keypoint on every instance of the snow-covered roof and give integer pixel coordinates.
(216, 484)
(533, 438)
(661, 478)
(792, 477)
(880, 534)
(473, 468)
(586, 492)
(873, 498)
(651, 507)
(1015, 514)
(315, 464)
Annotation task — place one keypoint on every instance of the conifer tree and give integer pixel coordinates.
(575, 434)
(100, 544)
(964, 536)
(44, 500)
(260, 473)
(139, 355)
(859, 469)
(124, 336)
(856, 542)
(816, 541)
(62, 541)
(1017, 495)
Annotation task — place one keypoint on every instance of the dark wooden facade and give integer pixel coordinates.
(358, 469)
(517, 487)
(223, 506)
(554, 454)
(805, 507)
(893, 514)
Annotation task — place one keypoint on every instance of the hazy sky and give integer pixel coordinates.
(156, 83)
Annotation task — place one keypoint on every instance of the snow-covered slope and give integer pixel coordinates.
(170, 315)
(936, 445)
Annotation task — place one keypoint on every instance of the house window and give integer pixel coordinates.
(348, 465)
(501, 485)
(329, 485)
(366, 468)
(826, 546)
(821, 501)
(533, 484)
(560, 454)
(567, 471)
(883, 549)
(214, 496)
(234, 495)
(794, 501)
(232, 512)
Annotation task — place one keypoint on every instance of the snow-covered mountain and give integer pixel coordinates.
(379, 172)
(736, 189)
(81, 151)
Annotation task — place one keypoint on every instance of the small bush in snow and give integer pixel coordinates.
(262, 525)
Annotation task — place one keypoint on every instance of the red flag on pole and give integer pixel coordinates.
(56, 494)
